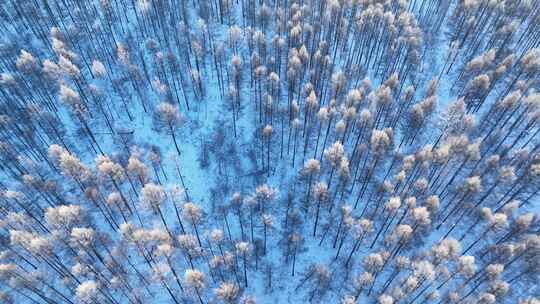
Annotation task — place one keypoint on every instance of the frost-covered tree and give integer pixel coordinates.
(167, 119)
(195, 279)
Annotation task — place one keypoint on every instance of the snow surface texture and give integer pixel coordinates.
(272, 151)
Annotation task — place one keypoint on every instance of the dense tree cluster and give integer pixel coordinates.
(288, 151)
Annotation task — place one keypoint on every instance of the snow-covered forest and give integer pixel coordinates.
(269, 151)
